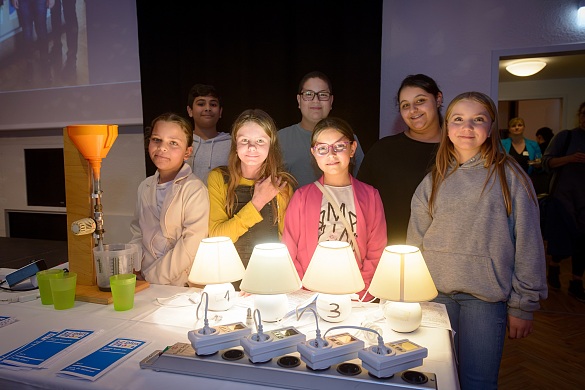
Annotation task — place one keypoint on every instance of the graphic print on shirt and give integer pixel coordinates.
(331, 225)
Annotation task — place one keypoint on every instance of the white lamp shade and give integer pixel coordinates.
(270, 271)
(216, 261)
(402, 276)
(526, 68)
(333, 270)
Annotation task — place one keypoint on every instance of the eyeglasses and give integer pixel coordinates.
(310, 95)
(338, 147)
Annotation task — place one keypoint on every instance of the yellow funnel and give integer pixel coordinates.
(94, 142)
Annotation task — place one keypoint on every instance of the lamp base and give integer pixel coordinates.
(334, 307)
(221, 296)
(403, 317)
(271, 307)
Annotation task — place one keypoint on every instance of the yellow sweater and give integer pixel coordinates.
(219, 222)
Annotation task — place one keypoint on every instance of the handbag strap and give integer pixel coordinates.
(342, 217)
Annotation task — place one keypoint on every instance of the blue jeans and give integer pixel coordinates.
(32, 16)
(480, 329)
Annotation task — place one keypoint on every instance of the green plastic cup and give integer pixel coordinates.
(63, 291)
(43, 278)
(123, 286)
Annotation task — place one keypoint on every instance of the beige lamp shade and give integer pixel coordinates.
(402, 276)
(216, 261)
(333, 270)
(270, 271)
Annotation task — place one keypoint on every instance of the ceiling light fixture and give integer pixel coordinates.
(581, 14)
(526, 68)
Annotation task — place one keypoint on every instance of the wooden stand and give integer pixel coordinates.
(78, 190)
(94, 295)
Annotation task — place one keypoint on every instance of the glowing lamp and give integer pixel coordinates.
(216, 265)
(403, 278)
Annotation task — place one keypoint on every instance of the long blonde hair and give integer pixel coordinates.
(491, 151)
(272, 167)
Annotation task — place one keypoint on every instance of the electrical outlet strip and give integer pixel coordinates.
(276, 342)
(401, 355)
(180, 358)
(339, 348)
(222, 337)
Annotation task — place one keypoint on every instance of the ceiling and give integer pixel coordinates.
(561, 66)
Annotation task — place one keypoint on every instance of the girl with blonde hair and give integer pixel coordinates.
(249, 196)
(475, 218)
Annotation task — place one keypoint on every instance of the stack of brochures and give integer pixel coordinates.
(53, 346)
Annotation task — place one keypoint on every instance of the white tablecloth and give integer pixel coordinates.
(163, 326)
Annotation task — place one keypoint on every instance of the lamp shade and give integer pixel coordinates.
(402, 276)
(526, 68)
(216, 261)
(270, 271)
(333, 270)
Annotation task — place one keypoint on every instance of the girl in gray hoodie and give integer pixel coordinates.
(475, 218)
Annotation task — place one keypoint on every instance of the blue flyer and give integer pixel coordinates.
(4, 357)
(98, 362)
(38, 355)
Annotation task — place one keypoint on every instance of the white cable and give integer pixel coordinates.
(194, 298)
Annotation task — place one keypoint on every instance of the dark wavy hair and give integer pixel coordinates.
(423, 82)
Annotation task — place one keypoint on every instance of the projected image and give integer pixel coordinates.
(42, 47)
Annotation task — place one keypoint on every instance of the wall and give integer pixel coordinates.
(571, 91)
(122, 171)
(455, 43)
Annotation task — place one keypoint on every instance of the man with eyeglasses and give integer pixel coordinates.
(315, 100)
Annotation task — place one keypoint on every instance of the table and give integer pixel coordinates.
(18, 252)
(163, 326)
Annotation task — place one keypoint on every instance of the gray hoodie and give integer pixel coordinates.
(209, 154)
(472, 246)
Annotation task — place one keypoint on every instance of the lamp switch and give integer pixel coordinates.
(338, 348)
(221, 337)
(263, 347)
(398, 356)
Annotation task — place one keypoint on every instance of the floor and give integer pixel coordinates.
(553, 357)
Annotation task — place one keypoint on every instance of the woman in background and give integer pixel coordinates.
(565, 158)
(525, 151)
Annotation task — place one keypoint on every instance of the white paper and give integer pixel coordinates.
(434, 315)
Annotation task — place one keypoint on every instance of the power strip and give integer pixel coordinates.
(278, 342)
(338, 348)
(221, 337)
(180, 358)
(396, 356)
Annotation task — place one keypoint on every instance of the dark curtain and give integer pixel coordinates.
(255, 53)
